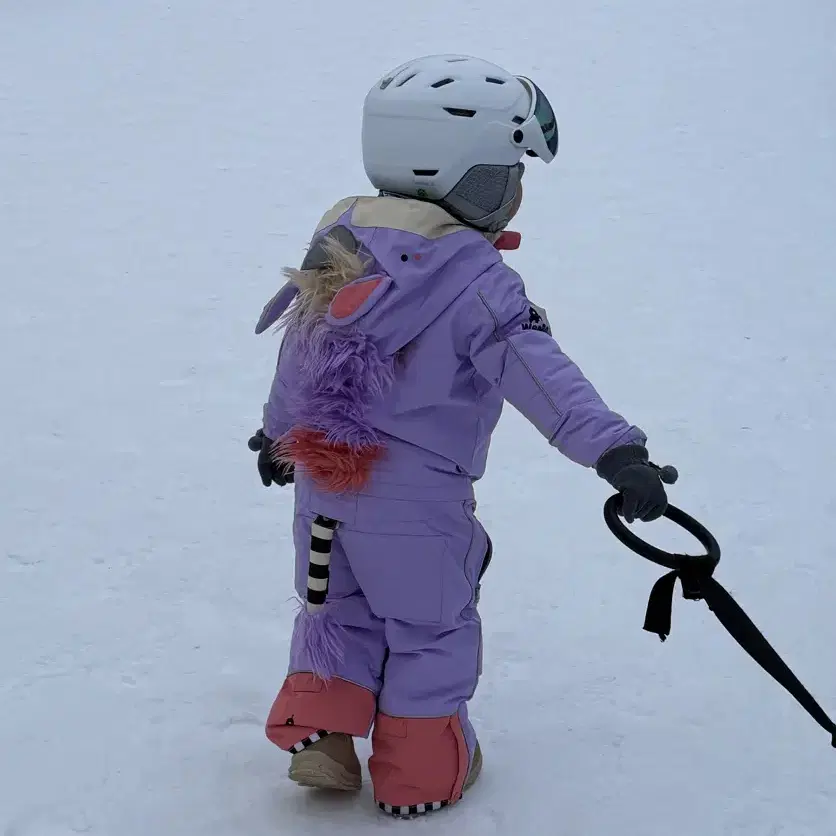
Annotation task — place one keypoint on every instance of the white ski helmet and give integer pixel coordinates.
(452, 129)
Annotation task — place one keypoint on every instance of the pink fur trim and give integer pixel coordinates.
(335, 467)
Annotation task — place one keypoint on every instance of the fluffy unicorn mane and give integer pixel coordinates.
(341, 374)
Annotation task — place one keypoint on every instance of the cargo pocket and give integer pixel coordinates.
(401, 575)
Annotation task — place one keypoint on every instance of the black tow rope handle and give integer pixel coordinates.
(696, 575)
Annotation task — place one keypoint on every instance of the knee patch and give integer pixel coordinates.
(307, 708)
(418, 765)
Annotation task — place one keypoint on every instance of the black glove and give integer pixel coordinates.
(270, 471)
(629, 470)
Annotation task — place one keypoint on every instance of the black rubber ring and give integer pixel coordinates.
(667, 559)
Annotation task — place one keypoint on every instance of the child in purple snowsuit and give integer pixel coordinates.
(404, 334)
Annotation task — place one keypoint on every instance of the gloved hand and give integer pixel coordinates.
(629, 470)
(270, 471)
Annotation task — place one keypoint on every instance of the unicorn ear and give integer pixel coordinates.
(357, 299)
(276, 307)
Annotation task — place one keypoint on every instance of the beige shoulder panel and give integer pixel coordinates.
(416, 216)
(334, 214)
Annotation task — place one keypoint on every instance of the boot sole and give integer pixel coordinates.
(321, 772)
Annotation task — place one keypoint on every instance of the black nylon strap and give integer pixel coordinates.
(741, 628)
(657, 619)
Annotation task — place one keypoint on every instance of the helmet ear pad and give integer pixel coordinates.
(515, 206)
(487, 196)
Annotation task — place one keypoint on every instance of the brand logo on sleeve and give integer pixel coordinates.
(537, 320)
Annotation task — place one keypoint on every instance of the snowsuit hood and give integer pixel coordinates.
(405, 334)
(393, 272)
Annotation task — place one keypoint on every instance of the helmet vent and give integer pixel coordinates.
(460, 111)
(442, 83)
(425, 172)
(404, 80)
(455, 60)
(492, 80)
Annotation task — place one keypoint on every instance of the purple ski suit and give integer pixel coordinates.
(430, 339)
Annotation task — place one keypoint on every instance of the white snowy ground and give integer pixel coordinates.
(159, 162)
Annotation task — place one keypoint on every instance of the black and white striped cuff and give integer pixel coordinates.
(308, 741)
(413, 809)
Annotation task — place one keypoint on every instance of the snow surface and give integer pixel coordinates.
(159, 163)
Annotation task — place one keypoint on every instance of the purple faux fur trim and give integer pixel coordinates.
(342, 373)
(321, 637)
